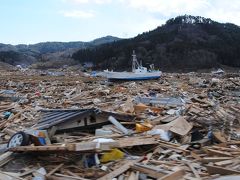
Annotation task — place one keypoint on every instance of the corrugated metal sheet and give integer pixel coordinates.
(57, 116)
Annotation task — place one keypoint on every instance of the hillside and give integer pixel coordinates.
(185, 42)
(45, 51)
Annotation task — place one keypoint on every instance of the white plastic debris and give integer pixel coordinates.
(164, 135)
(118, 125)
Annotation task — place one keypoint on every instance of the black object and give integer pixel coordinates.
(19, 139)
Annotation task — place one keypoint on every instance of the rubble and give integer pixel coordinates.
(182, 126)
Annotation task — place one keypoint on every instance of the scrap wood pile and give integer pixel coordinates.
(182, 126)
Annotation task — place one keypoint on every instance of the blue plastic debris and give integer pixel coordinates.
(7, 114)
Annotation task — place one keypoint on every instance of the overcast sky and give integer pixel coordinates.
(32, 21)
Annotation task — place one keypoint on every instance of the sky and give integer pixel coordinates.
(33, 21)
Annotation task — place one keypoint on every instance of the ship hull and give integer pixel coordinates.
(129, 76)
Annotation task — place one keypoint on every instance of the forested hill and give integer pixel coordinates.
(185, 42)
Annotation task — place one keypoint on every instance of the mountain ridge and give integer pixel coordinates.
(185, 42)
(28, 54)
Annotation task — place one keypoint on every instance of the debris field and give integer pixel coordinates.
(73, 126)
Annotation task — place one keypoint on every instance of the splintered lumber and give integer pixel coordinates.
(11, 118)
(158, 162)
(5, 158)
(83, 146)
(226, 162)
(9, 176)
(120, 170)
(226, 149)
(67, 176)
(80, 147)
(218, 153)
(196, 156)
(176, 175)
(169, 146)
(30, 171)
(221, 170)
(196, 174)
(136, 141)
(54, 170)
(214, 159)
(10, 132)
(74, 175)
(149, 170)
(38, 148)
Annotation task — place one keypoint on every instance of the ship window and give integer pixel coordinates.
(92, 119)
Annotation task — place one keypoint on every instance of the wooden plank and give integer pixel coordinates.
(30, 171)
(226, 149)
(196, 174)
(11, 118)
(174, 175)
(75, 175)
(119, 171)
(136, 141)
(196, 156)
(168, 146)
(54, 170)
(67, 176)
(91, 146)
(214, 159)
(221, 170)
(9, 132)
(152, 172)
(83, 146)
(9, 176)
(56, 178)
(5, 158)
(223, 163)
(158, 162)
(38, 148)
(218, 153)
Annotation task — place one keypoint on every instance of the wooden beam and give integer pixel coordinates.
(221, 170)
(196, 174)
(154, 173)
(119, 171)
(38, 148)
(54, 170)
(11, 118)
(218, 153)
(174, 175)
(5, 158)
(214, 159)
(75, 175)
(91, 146)
(225, 162)
(135, 141)
(66, 176)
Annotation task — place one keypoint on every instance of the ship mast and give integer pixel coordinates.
(135, 63)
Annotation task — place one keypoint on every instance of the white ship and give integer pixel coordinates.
(138, 73)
